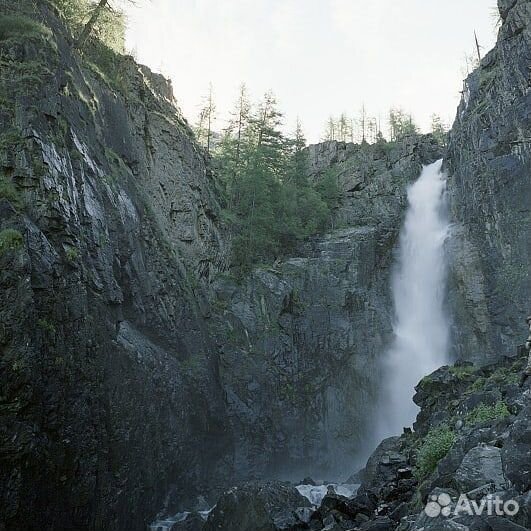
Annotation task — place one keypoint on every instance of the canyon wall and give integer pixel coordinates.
(489, 166)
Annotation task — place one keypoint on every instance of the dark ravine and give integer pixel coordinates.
(137, 374)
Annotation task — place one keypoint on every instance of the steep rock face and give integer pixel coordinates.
(489, 162)
(300, 341)
(109, 381)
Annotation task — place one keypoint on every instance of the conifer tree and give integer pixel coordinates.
(438, 129)
(207, 115)
(401, 124)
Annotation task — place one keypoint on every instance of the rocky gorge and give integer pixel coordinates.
(140, 377)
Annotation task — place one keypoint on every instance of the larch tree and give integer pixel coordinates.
(330, 129)
(98, 12)
(207, 115)
(363, 123)
(343, 127)
(439, 129)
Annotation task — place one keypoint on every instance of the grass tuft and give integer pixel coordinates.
(484, 413)
(20, 26)
(435, 446)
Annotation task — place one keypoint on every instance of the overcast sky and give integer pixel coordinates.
(320, 57)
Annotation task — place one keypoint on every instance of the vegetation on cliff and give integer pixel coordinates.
(270, 203)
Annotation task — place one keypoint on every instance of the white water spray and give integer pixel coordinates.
(421, 329)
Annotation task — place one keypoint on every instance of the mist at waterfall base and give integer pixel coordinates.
(421, 328)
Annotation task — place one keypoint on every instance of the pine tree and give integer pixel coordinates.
(363, 123)
(270, 202)
(101, 16)
(343, 127)
(235, 145)
(298, 167)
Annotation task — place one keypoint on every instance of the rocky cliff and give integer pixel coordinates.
(465, 467)
(300, 341)
(489, 166)
(109, 237)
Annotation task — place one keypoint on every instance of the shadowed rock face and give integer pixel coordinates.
(300, 341)
(268, 506)
(489, 162)
(109, 381)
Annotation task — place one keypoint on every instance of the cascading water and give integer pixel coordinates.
(421, 329)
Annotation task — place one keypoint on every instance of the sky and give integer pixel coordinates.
(319, 57)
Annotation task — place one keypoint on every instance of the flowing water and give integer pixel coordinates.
(421, 328)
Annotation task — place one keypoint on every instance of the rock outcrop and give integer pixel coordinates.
(470, 447)
(270, 506)
(489, 166)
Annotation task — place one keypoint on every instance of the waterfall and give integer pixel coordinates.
(421, 329)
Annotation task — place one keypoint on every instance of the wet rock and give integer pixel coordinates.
(269, 506)
(383, 465)
(498, 523)
(193, 522)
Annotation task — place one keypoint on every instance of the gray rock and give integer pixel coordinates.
(516, 452)
(269, 506)
(379, 524)
(481, 465)
(497, 523)
(488, 161)
(383, 466)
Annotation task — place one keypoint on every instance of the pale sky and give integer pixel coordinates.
(319, 57)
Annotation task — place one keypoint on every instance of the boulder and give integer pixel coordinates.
(498, 523)
(258, 506)
(383, 465)
(523, 517)
(482, 465)
(516, 452)
(193, 522)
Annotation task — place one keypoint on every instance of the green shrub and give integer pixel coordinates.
(9, 192)
(107, 64)
(478, 384)
(504, 375)
(435, 446)
(12, 137)
(20, 26)
(10, 240)
(484, 413)
(72, 254)
(462, 371)
(46, 326)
